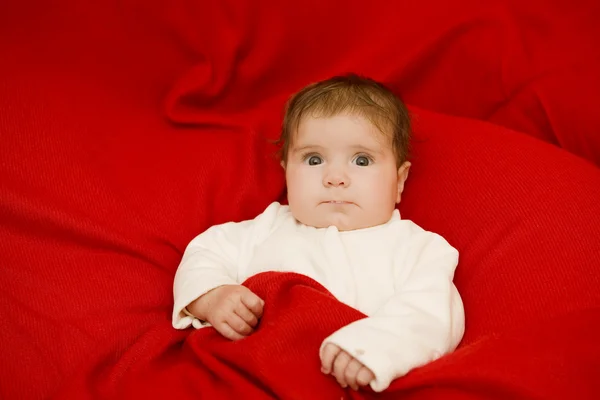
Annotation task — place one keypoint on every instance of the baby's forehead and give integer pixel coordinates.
(344, 127)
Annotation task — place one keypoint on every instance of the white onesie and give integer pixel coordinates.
(397, 274)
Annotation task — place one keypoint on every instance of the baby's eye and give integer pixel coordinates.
(362, 161)
(314, 160)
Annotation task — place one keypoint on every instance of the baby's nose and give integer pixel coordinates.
(336, 178)
(335, 181)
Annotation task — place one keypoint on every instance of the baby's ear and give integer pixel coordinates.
(402, 177)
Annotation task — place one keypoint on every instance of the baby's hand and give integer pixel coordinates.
(346, 369)
(233, 310)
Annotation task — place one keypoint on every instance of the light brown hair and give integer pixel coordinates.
(351, 94)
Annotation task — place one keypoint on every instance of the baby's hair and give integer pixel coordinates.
(354, 95)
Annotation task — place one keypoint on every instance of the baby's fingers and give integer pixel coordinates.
(239, 325)
(339, 368)
(351, 373)
(364, 376)
(253, 302)
(330, 352)
(244, 313)
(227, 331)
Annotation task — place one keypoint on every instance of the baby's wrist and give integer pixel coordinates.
(196, 309)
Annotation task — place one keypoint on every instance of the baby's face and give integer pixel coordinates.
(342, 171)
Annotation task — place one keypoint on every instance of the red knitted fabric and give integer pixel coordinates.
(129, 127)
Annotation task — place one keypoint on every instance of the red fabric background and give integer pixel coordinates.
(527, 65)
(126, 128)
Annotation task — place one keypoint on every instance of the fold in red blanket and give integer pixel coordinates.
(280, 359)
(129, 127)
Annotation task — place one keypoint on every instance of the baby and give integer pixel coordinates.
(344, 150)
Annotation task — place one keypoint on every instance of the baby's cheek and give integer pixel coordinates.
(305, 180)
(380, 193)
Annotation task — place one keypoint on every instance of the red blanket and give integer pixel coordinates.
(128, 127)
(280, 360)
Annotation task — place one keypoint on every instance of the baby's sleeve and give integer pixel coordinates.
(422, 321)
(212, 259)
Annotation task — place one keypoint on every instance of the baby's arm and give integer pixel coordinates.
(211, 260)
(421, 322)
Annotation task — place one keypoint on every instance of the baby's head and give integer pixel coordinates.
(345, 145)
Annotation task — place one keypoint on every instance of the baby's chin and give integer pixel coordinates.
(342, 222)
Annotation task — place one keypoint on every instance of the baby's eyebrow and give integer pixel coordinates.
(358, 147)
(366, 149)
(306, 147)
